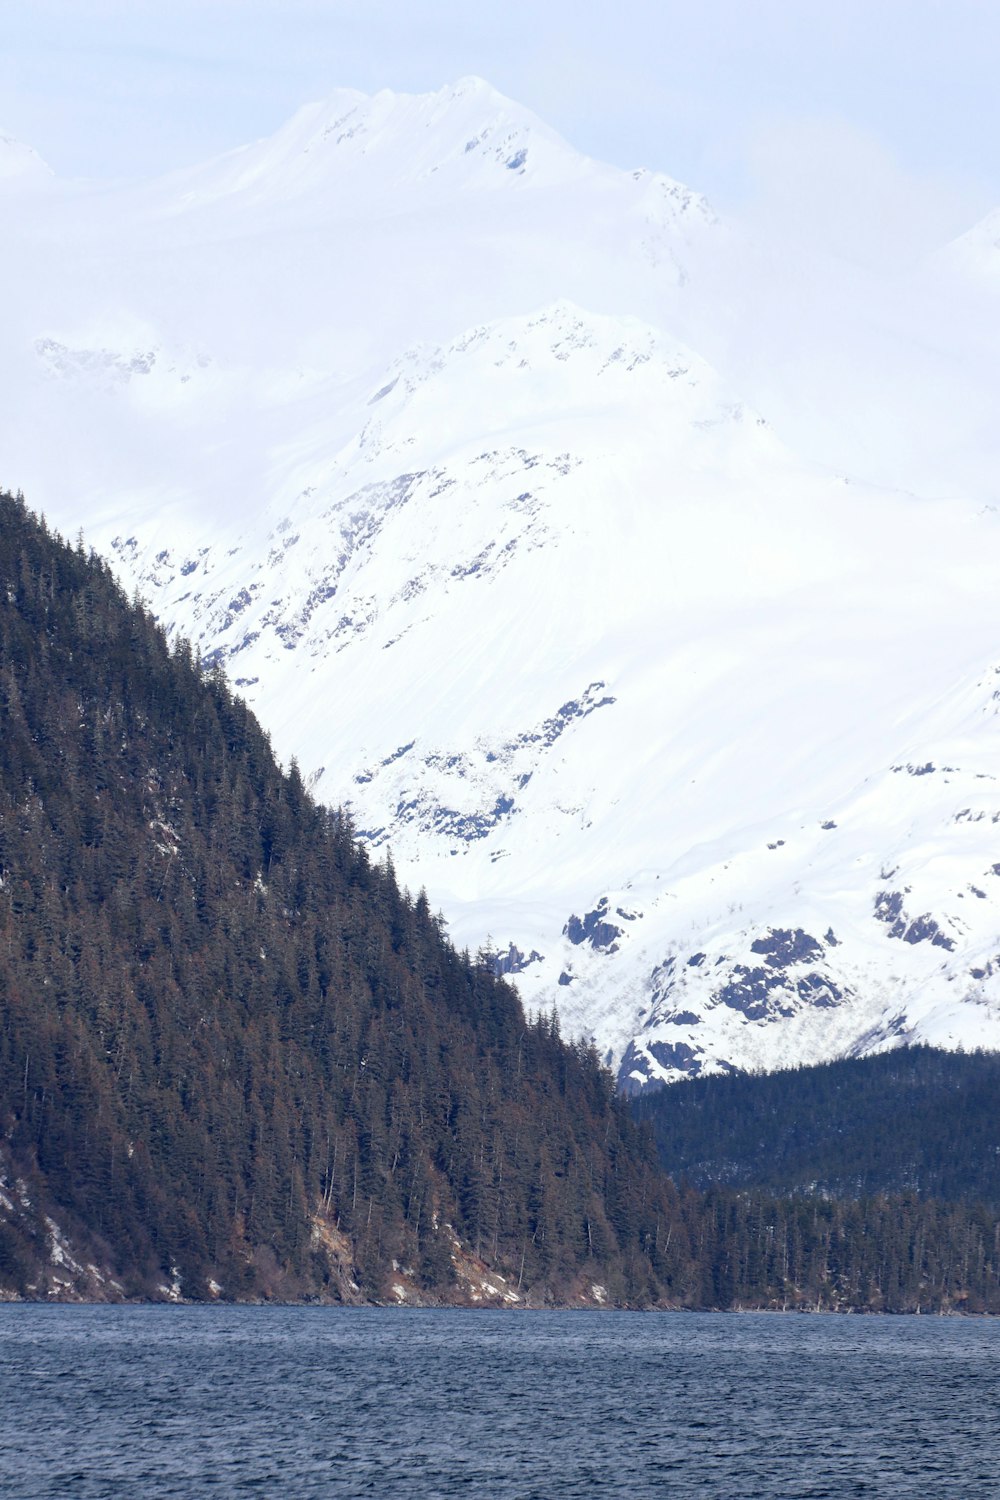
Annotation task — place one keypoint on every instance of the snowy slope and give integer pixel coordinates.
(629, 688)
(21, 166)
(397, 415)
(977, 252)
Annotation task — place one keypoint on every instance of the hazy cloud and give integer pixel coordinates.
(835, 187)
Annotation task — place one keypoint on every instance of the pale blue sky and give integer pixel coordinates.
(826, 112)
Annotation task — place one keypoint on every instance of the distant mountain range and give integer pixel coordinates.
(399, 416)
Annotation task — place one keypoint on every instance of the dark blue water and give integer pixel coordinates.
(133, 1403)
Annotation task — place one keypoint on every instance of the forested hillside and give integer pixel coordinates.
(232, 1051)
(919, 1121)
(237, 1061)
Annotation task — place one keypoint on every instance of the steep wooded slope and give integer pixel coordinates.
(233, 1054)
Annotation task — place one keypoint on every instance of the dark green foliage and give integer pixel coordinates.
(880, 1254)
(869, 1182)
(222, 1028)
(917, 1121)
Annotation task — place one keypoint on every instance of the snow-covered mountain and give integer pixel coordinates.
(399, 415)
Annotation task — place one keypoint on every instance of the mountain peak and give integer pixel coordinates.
(466, 133)
(472, 85)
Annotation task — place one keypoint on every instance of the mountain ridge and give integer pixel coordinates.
(406, 552)
(642, 667)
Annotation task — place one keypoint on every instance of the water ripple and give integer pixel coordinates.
(157, 1403)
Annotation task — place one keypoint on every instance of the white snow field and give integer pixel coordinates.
(399, 414)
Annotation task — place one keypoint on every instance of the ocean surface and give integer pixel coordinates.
(130, 1403)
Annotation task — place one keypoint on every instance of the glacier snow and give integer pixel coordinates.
(430, 430)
